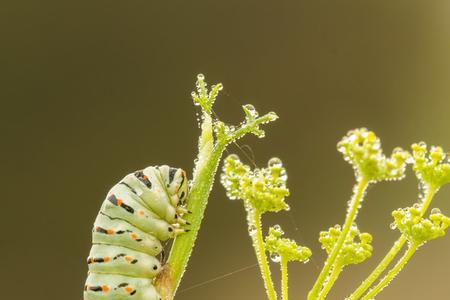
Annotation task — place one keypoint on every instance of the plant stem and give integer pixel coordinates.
(391, 274)
(284, 278)
(337, 269)
(398, 245)
(351, 216)
(168, 282)
(260, 251)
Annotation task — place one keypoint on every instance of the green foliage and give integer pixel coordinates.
(430, 166)
(419, 230)
(283, 248)
(356, 248)
(362, 149)
(214, 138)
(262, 189)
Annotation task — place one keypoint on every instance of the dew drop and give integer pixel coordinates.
(201, 77)
(337, 227)
(275, 257)
(250, 109)
(233, 157)
(435, 211)
(274, 162)
(252, 229)
(393, 226)
(278, 228)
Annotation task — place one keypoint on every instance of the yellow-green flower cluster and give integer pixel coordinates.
(420, 230)
(362, 149)
(262, 189)
(430, 166)
(283, 248)
(353, 251)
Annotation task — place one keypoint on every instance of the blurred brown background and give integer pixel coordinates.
(92, 90)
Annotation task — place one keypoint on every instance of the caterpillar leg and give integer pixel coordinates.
(118, 287)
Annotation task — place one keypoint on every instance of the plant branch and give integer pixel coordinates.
(398, 245)
(337, 269)
(351, 216)
(284, 278)
(391, 274)
(255, 231)
(211, 148)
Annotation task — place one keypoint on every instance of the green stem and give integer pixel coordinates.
(284, 278)
(398, 245)
(391, 274)
(184, 244)
(337, 269)
(260, 251)
(351, 216)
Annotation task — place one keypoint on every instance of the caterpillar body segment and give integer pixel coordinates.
(120, 260)
(161, 188)
(118, 287)
(138, 213)
(122, 206)
(121, 233)
(155, 198)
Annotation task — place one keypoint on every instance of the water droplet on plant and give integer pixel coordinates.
(201, 77)
(233, 157)
(278, 228)
(435, 211)
(337, 227)
(393, 226)
(251, 110)
(275, 162)
(275, 257)
(423, 144)
(252, 229)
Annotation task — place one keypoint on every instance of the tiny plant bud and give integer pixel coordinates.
(419, 230)
(362, 149)
(286, 249)
(430, 167)
(356, 249)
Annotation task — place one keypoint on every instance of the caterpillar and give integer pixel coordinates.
(144, 209)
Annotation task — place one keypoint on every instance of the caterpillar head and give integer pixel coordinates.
(180, 183)
(177, 183)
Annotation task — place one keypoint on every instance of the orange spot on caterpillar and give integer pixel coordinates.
(133, 236)
(141, 213)
(128, 258)
(128, 289)
(106, 258)
(105, 288)
(110, 231)
(119, 202)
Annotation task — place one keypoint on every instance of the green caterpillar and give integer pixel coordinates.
(143, 209)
